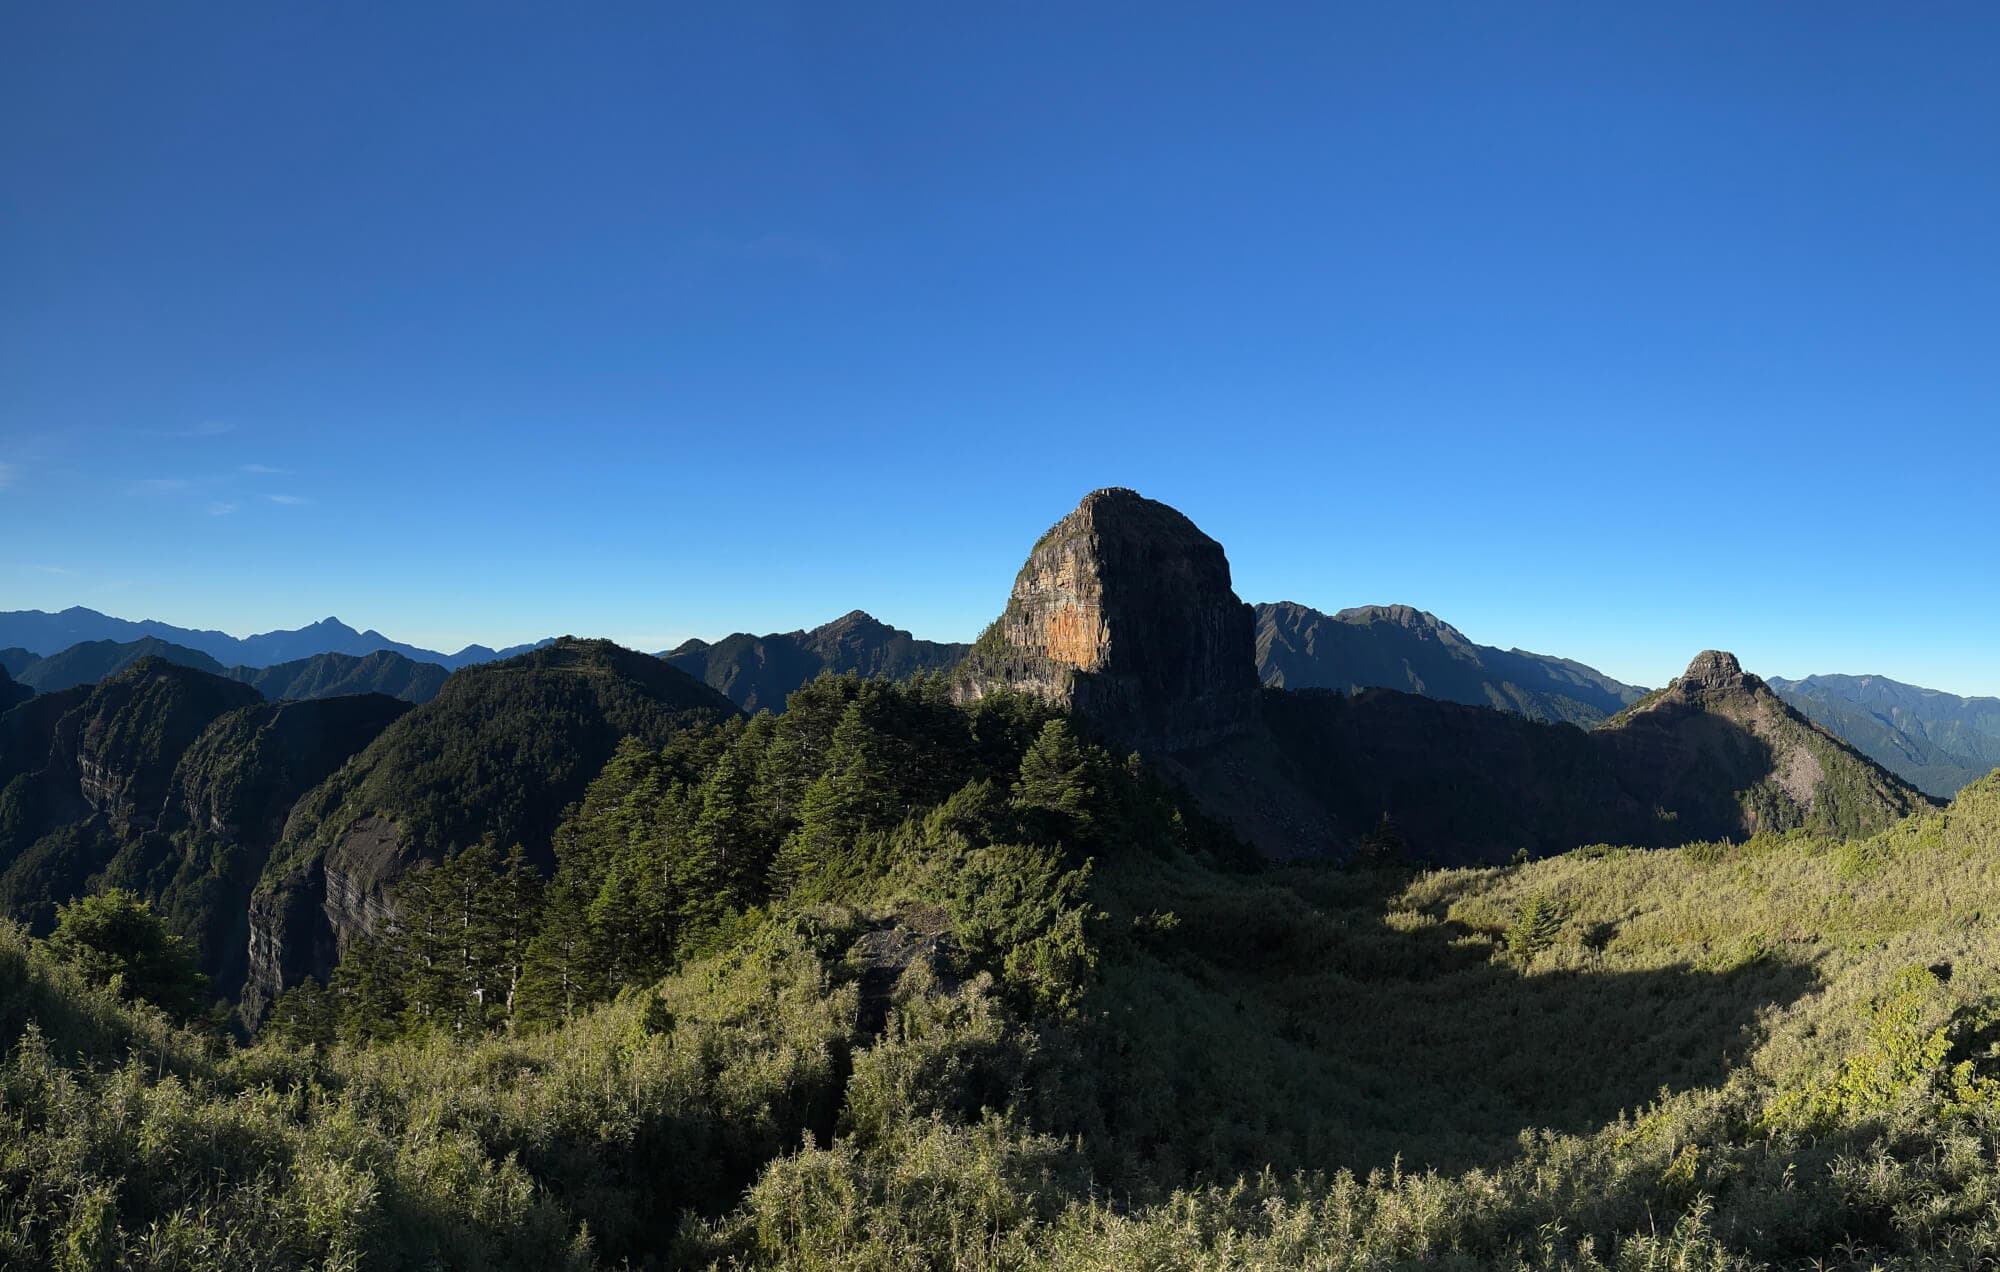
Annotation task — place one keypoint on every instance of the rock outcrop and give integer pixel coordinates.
(1124, 613)
(122, 739)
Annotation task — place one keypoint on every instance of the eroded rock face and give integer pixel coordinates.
(288, 940)
(1714, 671)
(136, 728)
(1124, 613)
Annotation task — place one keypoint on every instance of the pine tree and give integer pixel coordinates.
(367, 989)
(847, 799)
(728, 852)
(564, 969)
(427, 985)
(516, 912)
(1060, 791)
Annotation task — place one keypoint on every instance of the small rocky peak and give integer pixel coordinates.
(1714, 671)
(1125, 612)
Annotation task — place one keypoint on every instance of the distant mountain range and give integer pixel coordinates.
(320, 676)
(1398, 647)
(1938, 742)
(756, 672)
(42, 633)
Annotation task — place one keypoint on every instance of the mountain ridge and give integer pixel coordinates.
(758, 672)
(1938, 741)
(45, 633)
(1404, 648)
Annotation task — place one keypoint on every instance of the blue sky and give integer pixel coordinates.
(1614, 331)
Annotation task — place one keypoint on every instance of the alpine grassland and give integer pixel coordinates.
(887, 982)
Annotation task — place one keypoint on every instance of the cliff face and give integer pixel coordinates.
(228, 805)
(1124, 613)
(171, 782)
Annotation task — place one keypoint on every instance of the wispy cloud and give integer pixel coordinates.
(51, 569)
(9, 474)
(263, 470)
(221, 509)
(288, 499)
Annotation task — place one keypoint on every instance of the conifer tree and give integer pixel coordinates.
(1060, 788)
(564, 967)
(847, 799)
(727, 855)
(367, 989)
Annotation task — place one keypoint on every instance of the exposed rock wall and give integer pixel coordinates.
(1124, 612)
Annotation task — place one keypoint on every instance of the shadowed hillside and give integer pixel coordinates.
(331, 675)
(92, 661)
(499, 753)
(1397, 647)
(758, 672)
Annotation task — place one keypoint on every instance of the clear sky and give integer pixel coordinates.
(1609, 330)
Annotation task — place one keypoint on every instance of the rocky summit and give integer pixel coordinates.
(1124, 612)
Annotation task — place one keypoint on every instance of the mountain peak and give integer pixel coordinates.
(851, 621)
(1713, 670)
(1422, 622)
(1125, 612)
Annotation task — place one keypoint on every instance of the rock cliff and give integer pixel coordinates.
(1124, 613)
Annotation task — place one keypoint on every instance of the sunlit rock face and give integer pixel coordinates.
(1124, 612)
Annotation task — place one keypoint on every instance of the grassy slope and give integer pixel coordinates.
(1607, 1087)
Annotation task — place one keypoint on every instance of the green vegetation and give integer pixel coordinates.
(115, 939)
(758, 673)
(888, 983)
(92, 661)
(332, 675)
(502, 748)
(1938, 742)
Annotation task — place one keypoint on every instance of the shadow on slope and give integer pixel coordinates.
(1317, 1024)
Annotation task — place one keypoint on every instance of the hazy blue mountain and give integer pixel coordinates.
(94, 660)
(1398, 647)
(757, 672)
(1936, 741)
(44, 633)
(331, 675)
(15, 660)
